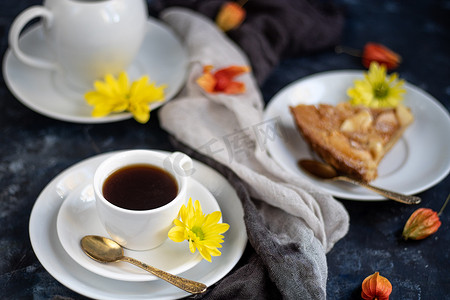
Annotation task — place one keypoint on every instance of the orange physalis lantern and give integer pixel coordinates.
(230, 16)
(377, 287)
(381, 54)
(422, 223)
(222, 80)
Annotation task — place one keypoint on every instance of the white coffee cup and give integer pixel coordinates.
(141, 229)
(88, 38)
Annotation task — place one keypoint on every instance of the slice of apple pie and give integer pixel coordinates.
(353, 139)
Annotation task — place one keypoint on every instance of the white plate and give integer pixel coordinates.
(161, 57)
(51, 254)
(419, 160)
(77, 217)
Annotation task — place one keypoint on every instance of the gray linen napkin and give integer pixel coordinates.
(292, 224)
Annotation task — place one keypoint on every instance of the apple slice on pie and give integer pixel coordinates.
(353, 139)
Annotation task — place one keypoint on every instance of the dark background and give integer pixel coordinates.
(34, 149)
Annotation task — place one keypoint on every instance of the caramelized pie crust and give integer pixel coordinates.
(353, 139)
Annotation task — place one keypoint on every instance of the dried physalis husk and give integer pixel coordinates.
(377, 287)
(421, 224)
(230, 16)
(381, 54)
(374, 52)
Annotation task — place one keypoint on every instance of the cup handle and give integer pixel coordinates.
(18, 24)
(180, 163)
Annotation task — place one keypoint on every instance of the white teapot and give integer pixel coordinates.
(88, 38)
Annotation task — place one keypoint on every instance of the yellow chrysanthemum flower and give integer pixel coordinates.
(202, 231)
(377, 89)
(113, 96)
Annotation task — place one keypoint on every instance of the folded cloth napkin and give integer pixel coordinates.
(274, 29)
(291, 224)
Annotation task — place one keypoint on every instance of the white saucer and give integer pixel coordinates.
(51, 254)
(419, 160)
(162, 57)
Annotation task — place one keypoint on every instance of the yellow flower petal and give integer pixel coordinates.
(205, 253)
(123, 82)
(192, 246)
(176, 234)
(213, 217)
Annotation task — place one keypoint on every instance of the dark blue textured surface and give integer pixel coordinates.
(34, 149)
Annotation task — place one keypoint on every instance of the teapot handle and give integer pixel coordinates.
(18, 24)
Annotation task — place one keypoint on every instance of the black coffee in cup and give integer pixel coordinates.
(140, 187)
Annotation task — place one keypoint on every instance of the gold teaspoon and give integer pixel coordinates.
(324, 171)
(105, 250)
